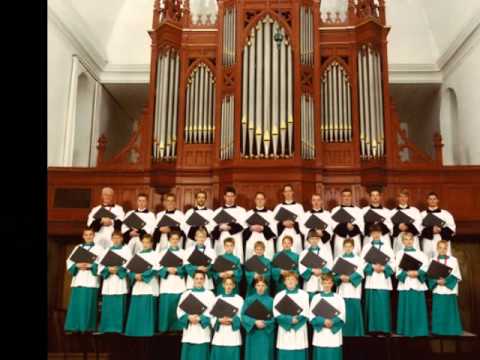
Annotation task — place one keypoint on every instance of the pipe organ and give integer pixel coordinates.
(166, 106)
(336, 104)
(226, 147)
(306, 35)
(308, 127)
(370, 97)
(199, 106)
(229, 37)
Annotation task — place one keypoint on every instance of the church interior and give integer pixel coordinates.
(182, 96)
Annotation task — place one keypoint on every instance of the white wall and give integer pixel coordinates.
(460, 137)
(59, 53)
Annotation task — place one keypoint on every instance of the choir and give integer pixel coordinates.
(301, 272)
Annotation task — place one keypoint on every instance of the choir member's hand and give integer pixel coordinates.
(202, 268)
(133, 233)
(256, 228)
(106, 221)
(223, 274)
(345, 278)
(257, 275)
(441, 281)
(138, 277)
(229, 273)
(224, 227)
(317, 272)
(378, 268)
(412, 273)
(403, 227)
(225, 321)
(112, 269)
(194, 319)
(288, 223)
(436, 229)
(172, 270)
(82, 266)
(283, 272)
(328, 323)
(260, 324)
(294, 320)
(350, 226)
(164, 229)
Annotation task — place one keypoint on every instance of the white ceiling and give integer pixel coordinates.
(424, 33)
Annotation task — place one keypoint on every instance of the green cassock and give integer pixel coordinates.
(167, 304)
(259, 343)
(276, 272)
(412, 318)
(377, 313)
(82, 308)
(237, 275)
(250, 277)
(445, 313)
(114, 307)
(142, 314)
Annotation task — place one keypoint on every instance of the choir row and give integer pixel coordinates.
(261, 224)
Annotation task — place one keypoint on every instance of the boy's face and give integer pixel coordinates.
(432, 201)
(201, 199)
(142, 202)
(200, 238)
(169, 203)
(313, 240)
(376, 235)
(260, 201)
(198, 280)
(347, 248)
(228, 286)
(174, 240)
(147, 243)
(260, 287)
(288, 193)
(286, 244)
(88, 236)
(346, 198)
(117, 240)
(316, 202)
(229, 198)
(402, 199)
(442, 249)
(407, 240)
(291, 282)
(327, 285)
(375, 197)
(259, 251)
(228, 247)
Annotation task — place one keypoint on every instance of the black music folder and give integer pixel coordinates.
(192, 306)
(258, 311)
(284, 262)
(223, 309)
(344, 267)
(168, 221)
(133, 221)
(287, 306)
(198, 258)
(342, 216)
(196, 220)
(372, 216)
(222, 264)
(401, 218)
(438, 270)
(171, 260)
(138, 265)
(325, 310)
(256, 219)
(375, 256)
(313, 261)
(112, 259)
(82, 255)
(254, 264)
(224, 217)
(409, 263)
(104, 213)
(432, 220)
(314, 222)
(285, 214)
